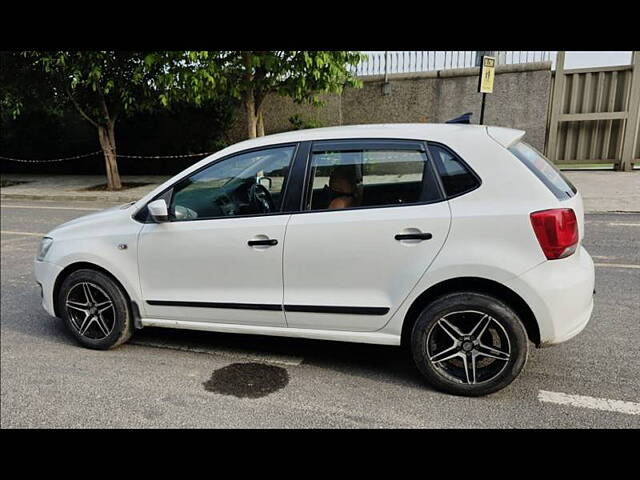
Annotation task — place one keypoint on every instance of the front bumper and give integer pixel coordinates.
(560, 294)
(46, 274)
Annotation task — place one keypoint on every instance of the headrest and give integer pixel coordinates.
(343, 179)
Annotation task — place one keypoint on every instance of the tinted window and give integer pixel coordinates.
(456, 176)
(246, 184)
(368, 178)
(546, 171)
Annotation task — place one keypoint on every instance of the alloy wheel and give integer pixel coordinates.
(90, 310)
(469, 347)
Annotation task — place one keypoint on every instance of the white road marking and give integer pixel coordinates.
(277, 359)
(30, 234)
(7, 241)
(616, 265)
(50, 208)
(594, 403)
(620, 224)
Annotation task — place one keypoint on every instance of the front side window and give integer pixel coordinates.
(370, 178)
(246, 184)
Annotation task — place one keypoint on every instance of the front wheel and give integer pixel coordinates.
(95, 309)
(469, 343)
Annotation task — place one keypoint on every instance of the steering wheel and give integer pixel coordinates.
(260, 199)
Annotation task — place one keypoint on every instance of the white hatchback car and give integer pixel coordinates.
(459, 241)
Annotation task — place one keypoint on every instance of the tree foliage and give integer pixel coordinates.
(101, 85)
(252, 75)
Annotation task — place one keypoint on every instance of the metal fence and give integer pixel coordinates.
(595, 115)
(380, 63)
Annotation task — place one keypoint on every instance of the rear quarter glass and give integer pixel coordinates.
(546, 171)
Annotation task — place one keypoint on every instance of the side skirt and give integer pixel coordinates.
(335, 335)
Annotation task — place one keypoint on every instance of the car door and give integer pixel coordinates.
(219, 258)
(350, 268)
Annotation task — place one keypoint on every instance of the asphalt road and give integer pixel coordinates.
(167, 378)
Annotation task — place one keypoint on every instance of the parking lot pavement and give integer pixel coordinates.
(167, 378)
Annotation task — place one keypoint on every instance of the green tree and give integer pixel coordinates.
(252, 75)
(102, 86)
(22, 87)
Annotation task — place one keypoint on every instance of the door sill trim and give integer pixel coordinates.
(335, 335)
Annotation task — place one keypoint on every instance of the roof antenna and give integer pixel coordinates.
(464, 118)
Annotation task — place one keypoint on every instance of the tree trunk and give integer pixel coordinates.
(259, 107)
(260, 123)
(106, 134)
(252, 119)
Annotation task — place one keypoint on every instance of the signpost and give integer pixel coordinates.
(485, 82)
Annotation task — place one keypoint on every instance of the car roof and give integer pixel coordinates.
(436, 132)
(420, 131)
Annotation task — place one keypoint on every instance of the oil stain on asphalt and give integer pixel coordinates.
(247, 380)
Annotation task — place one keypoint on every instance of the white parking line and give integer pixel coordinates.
(582, 401)
(50, 208)
(30, 234)
(616, 265)
(620, 224)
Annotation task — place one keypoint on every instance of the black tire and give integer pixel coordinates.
(116, 321)
(473, 367)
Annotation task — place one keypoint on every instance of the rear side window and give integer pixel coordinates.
(370, 178)
(456, 177)
(546, 171)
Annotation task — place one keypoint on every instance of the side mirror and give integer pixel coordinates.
(265, 182)
(158, 211)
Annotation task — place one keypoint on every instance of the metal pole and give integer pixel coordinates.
(482, 109)
(557, 97)
(386, 61)
(386, 86)
(632, 124)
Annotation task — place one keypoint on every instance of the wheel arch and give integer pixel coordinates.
(476, 284)
(73, 267)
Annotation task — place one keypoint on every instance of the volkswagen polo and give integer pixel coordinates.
(460, 242)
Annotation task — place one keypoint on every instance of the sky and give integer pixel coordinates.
(594, 59)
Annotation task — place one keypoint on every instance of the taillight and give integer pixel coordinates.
(557, 231)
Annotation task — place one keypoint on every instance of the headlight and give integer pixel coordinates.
(45, 245)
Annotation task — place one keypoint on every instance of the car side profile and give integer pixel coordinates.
(460, 242)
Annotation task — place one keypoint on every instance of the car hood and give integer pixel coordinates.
(91, 219)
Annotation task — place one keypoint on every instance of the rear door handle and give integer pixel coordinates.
(269, 241)
(413, 236)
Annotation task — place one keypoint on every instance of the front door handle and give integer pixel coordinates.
(413, 236)
(269, 241)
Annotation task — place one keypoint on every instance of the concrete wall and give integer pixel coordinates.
(520, 100)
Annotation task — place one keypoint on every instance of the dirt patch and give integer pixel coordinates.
(125, 186)
(247, 380)
(10, 183)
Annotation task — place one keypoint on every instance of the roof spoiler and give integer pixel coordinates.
(505, 136)
(464, 118)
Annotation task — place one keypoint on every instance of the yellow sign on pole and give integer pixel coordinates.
(487, 74)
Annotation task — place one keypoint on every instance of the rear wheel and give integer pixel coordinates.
(95, 309)
(469, 343)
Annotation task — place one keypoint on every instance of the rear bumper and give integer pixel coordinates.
(560, 294)
(46, 274)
